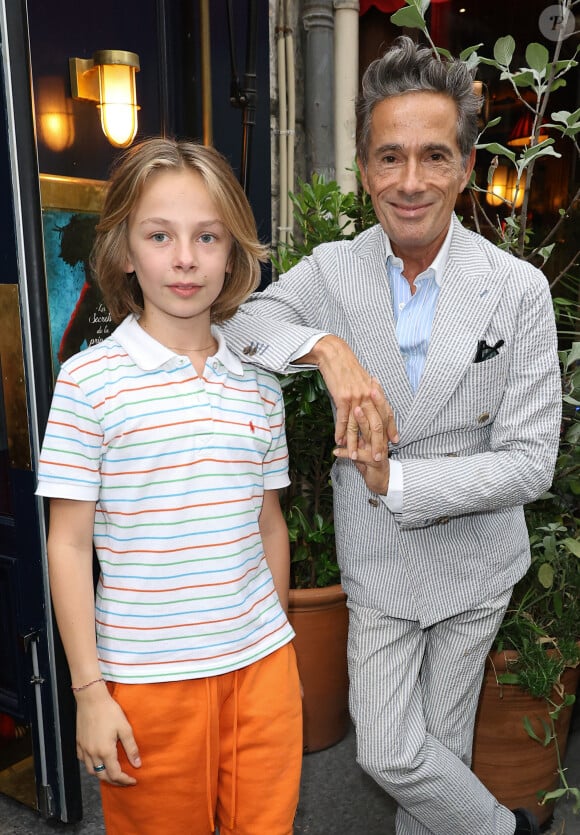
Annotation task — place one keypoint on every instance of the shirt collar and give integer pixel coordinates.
(437, 265)
(149, 354)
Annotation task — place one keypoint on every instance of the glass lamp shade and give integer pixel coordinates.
(504, 187)
(108, 78)
(117, 95)
(118, 103)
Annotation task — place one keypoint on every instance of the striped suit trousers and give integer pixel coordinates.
(413, 699)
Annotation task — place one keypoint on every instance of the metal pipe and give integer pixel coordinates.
(282, 128)
(163, 65)
(345, 90)
(250, 93)
(205, 48)
(291, 100)
(318, 21)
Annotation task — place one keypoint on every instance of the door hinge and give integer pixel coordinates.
(28, 638)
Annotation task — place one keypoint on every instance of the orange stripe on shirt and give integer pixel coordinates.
(77, 430)
(228, 461)
(69, 466)
(173, 509)
(200, 658)
(186, 548)
(158, 628)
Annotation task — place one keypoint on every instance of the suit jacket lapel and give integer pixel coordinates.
(471, 290)
(374, 338)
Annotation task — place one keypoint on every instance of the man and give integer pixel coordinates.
(431, 538)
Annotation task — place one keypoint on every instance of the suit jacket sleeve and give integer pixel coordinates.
(271, 327)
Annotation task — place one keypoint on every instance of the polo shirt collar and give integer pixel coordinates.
(437, 265)
(149, 354)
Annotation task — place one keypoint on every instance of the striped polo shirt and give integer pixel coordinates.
(177, 466)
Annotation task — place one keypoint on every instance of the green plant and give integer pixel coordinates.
(532, 86)
(545, 608)
(322, 213)
(544, 611)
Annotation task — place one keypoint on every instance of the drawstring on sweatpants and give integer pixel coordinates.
(208, 748)
(208, 757)
(234, 753)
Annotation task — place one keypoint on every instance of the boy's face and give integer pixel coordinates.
(179, 249)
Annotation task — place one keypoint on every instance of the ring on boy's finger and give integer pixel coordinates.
(100, 767)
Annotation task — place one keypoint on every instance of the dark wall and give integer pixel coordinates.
(8, 262)
(165, 35)
(62, 29)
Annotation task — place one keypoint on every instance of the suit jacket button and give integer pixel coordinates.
(374, 502)
(483, 417)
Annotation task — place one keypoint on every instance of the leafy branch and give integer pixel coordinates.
(532, 86)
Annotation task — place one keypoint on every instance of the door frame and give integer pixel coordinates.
(49, 703)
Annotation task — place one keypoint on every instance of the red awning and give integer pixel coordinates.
(388, 6)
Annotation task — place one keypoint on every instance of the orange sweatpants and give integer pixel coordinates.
(224, 751)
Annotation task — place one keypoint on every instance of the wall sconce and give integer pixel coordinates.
(109, 79)
(504, 187)
(522, 131)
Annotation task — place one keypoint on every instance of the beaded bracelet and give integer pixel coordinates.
(84, 686)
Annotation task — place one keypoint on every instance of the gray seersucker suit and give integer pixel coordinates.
(477, 440)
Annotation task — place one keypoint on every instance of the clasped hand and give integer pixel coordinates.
(373, 466)
(364, 419)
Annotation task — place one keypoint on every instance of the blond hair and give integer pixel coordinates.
(121, 292)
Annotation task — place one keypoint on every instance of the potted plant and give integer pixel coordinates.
(532, 676)
(317, 608)
(532, 673)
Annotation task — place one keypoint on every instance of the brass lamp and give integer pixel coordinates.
(109, 79)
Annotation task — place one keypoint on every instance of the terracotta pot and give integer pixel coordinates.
(513, 766)
(320, 620)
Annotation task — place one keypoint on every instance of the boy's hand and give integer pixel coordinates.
(100, 725)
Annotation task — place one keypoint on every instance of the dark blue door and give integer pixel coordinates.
(37, 752)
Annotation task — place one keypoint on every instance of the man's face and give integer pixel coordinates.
(415, 172)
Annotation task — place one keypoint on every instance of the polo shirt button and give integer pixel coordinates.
(374, 502)
(483, 417)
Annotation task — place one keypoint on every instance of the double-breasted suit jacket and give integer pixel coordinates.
(477, 439)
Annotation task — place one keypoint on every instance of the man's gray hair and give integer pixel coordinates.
(406, 68)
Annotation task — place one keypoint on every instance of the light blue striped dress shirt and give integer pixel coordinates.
(414, 314)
